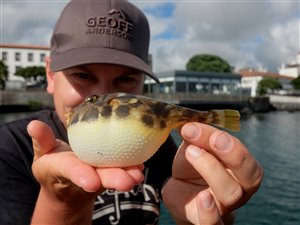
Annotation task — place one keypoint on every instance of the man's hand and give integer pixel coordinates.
(69, 186)
(213, 174)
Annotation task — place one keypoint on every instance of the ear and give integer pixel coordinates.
(50, 76)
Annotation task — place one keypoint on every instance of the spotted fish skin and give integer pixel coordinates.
(118, 130)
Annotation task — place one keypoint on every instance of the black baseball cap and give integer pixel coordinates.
(101, 31)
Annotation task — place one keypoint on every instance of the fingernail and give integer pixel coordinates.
(194, 152)
(190, 131)
(223, 142)
(206, 200)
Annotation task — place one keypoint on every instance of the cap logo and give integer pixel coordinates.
(115, 23)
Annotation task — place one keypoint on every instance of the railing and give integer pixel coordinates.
(23, 97)
(178, 98)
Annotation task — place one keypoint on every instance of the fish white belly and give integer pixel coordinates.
(115, 143)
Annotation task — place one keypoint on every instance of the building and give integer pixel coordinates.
(182, 81)
(251, 78)
(292, 69)
(196, 88)
(17, 56)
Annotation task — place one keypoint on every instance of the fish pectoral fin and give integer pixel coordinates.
(67, 116)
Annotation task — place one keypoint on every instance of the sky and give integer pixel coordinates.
(259, 34)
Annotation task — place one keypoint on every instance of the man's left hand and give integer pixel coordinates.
(213, 174)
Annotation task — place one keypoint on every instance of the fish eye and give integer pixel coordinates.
(92, 99)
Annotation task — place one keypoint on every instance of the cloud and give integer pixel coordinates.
(281, 45)
(241, 32)
(245, 33)
(29, 22)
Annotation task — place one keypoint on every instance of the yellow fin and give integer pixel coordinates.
(67, 116)
(226, 118)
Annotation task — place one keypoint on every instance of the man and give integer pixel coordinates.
(101, 47)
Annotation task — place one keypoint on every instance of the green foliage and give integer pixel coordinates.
(296, 83)
(31, 71)
(266, 84)
(208, 63)
(3, 74)
(35, 105)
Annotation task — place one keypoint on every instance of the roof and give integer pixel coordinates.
(188, 73)
(37, 47)
(256, 73)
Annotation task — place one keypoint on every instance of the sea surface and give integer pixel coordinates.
(274, 139)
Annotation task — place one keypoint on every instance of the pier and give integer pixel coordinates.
(202, 101)
(22, 100)
(16, 101)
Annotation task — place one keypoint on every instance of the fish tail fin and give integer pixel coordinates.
(227, 118)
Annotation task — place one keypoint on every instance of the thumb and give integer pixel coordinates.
(43, 138)
(181, 168)
(207, 210)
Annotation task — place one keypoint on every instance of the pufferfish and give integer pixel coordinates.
(120, 130)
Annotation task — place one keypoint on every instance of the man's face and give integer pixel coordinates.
(71, 86)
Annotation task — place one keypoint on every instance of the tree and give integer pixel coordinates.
(267, 84)
(31, 71)
(296, 83)
(208, 63)
(3, 74)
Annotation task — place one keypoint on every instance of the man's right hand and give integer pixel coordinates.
(68, 185)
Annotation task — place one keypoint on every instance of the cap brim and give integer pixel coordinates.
(81, 56)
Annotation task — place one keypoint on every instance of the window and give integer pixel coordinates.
(17, 68)
(42, 57)
(18, 56)
(180, 86)
(193, 87)
(30, 57)
(204, 87)
(4, 56)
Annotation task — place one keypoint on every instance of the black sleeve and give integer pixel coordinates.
(19, 190)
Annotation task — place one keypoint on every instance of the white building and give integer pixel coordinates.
(251, 78)
(292, 69)
(17, 56)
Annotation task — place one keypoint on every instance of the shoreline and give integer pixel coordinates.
(21, 108)
(28, 101)
(246, 110)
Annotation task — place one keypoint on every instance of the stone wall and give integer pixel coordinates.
(283, 102)
(32, 98)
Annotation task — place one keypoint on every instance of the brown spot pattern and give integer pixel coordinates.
(106, 111)
(159, 109)
(122, 111)
(90, 115)
(163, 124)
(148, 120)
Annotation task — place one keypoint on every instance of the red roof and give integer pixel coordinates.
(255, 73)
(38, 47)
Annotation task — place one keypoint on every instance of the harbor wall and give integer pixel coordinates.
(285, 102)
(39, 99)
(24, 100)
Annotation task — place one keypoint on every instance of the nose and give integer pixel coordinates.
(101, 88)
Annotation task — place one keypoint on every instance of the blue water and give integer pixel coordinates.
(274, 139)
